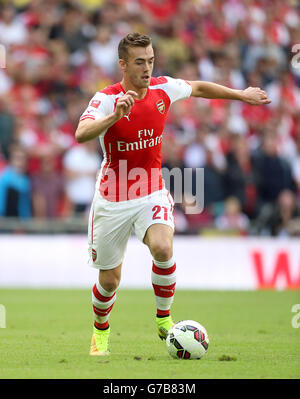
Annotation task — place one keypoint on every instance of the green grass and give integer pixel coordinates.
(48, 333)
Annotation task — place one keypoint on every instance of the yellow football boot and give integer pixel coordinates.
(99, 343)
(163, 326)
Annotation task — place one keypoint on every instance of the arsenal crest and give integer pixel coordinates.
(161, 106)
(94, 255)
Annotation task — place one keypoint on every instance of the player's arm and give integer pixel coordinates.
(89, 129)
(251, 95)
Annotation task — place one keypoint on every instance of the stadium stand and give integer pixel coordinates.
(59, 53)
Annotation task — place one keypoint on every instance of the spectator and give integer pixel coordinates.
(213, 177)
(15, 188)
(47, 190)
(3, 162)
(280, 219)
(7, 126)
(12, 29)
(285, 89)
(70, 29)
(193, 218)
(160, 10)
(206, 152)
(5, 81)
(272, 172)
(233, 219)
(81, 164)
(296, 165)
(239, 179)
(103, 50)
(43, 140)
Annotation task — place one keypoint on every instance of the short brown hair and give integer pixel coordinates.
(132, 40)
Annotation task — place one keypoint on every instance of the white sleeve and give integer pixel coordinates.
(177, 89)
(99, 106)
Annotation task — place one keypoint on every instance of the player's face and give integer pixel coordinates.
(139, 66)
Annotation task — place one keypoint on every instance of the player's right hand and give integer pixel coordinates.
(125, 103)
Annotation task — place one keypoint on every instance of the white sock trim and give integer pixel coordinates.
(103, 291)
(166, 264)
(103, 305)
(163, 280)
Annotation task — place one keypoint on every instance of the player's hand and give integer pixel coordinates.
(125, 103)
(255, 96)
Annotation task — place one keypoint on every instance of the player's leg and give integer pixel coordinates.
(103, 299)
(110, 227)
(154, 226)
(159, 239)
(104, 296)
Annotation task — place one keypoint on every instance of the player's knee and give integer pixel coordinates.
(109, 281)
(161, 251)
(110, 285)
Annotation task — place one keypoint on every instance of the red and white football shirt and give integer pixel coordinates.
(131, 167)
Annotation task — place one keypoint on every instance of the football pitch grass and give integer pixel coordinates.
(48, 334)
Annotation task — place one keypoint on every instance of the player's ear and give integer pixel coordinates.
(122, 64)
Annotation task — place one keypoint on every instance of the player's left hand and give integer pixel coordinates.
(255, 96)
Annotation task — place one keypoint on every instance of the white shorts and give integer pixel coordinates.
(111, 224)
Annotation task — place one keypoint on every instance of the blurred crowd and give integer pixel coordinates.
(59, 53)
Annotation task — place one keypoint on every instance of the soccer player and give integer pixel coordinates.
(129, 117)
